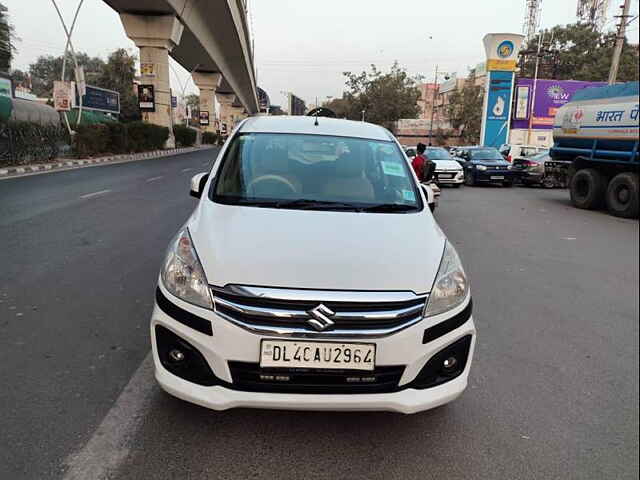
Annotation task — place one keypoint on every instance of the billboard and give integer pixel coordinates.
(550, 95)
(502, 53)
(146, 98)
(62, 95)
(99, 99)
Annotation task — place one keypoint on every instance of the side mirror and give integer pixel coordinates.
(198, 182)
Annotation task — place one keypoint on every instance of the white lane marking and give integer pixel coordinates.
(186, 170)
(153, 179)
(94, 194)
(109, 445)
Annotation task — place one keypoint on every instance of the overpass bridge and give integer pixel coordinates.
(207, 37)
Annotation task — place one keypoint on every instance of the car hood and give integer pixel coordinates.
(447, 164)
(491, 164)
(316, 249)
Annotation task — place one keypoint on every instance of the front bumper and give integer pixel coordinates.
(449, 178)
(231, 343)
(490, 176)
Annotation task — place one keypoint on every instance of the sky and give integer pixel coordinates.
(304, 46)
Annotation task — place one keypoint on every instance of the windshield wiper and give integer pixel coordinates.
(389, 207)
(305, 204)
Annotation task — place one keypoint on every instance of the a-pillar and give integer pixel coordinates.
(207, 83)
(226, 101)
(155, 36)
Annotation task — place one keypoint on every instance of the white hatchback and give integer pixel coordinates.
(311, 275)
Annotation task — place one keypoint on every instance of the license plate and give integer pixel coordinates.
(293, 354)
(445, 175)
(497, 177)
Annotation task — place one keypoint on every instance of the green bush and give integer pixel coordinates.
(210, 138)
(22, 143)
(91, 140)
(146, 136)
(118, 137)
(185, 136)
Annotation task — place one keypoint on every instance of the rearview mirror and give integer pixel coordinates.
(198, 182)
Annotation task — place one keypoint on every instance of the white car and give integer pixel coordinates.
(311, 275)
(448, 171)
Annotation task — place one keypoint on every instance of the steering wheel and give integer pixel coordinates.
(271, 179)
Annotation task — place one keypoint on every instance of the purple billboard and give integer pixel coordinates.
(550, 95)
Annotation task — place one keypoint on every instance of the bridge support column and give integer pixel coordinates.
(155, 36)
(226, 101)
(207, 82)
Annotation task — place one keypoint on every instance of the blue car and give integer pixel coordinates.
(485, 165)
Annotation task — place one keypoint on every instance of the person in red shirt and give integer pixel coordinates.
(419, 161)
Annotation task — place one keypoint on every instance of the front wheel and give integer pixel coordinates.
(622, 195)
(468, 179)
(587, 189)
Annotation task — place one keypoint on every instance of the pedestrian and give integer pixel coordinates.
(422, 165)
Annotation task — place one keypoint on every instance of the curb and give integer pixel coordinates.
(127, 157)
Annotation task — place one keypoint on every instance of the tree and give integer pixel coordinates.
(465, 111)
(577, 52)
(6, 40)
(384, 97)
(193, 102)
(48, 68)
(118, 74)
(340, 106)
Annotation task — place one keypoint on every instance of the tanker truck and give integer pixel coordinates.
(595, 148)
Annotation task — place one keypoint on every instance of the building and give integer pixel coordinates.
(425, 102)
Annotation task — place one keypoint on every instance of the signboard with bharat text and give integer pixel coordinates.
(100, 100)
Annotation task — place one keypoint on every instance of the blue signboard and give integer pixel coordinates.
(495, 124)
(100, 99)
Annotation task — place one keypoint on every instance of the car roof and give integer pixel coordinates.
(306, 125)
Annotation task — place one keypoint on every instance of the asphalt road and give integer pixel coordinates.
(553, 390)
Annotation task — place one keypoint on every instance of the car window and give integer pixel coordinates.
(528, 151)
(437, 154)
(486, 154)
(277, 170)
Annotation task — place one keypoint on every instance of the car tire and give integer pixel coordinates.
(468, 179)
(587, 189)
(622, 195)
(507, 184)
(456, 185)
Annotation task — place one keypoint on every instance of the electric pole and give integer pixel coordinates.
(615, 61)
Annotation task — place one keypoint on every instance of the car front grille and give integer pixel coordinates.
(274, 310)
(250, 377)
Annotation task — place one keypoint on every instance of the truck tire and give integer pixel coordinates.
(587, 189)
(622, 195)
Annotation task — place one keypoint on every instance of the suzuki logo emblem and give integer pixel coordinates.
(321, 320)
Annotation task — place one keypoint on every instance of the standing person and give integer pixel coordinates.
(422, 165)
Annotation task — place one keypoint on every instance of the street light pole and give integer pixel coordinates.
(615, 61)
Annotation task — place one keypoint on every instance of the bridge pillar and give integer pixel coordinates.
(226, 109)
(207, 82)
(155, 36)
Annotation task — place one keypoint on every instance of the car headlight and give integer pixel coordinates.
(509, 167)
(451, 285)
(182, 273)
(481, 167)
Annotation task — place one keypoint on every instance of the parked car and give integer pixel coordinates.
(448, 171)
(531, 170)
(511, 152)
(485, 165)
(312, 275)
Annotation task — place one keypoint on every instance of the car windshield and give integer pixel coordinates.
(437, 154)
(486, 154)
(315, 172)
(529, 151)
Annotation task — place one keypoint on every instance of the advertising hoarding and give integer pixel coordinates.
(550, 96)
(146, 98)
(62, 95)
(99, 99)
